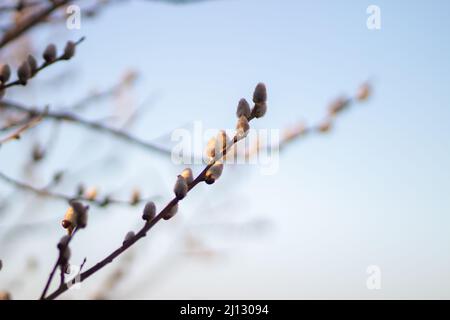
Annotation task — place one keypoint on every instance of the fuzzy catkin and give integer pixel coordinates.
(181, 188)
(24, 72)
(5, 73)
(149, 211)
(49, 54)
(243, 109)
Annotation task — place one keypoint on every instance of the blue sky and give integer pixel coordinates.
(375, 191)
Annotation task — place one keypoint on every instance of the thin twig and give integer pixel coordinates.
(94, 125)
(44, 192)
(17, 133)
(33, 20)
(40, 68)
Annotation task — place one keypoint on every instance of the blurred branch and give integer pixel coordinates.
(97, 126)
(45, 192)
(16, 134)
(33, 20)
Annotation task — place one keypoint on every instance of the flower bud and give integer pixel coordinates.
(242, 127)
(81, 213)
(187, 175)
(260, 93)
(211, 148)
(338, 105)
(106, 201)
(50, 53)
(80, 190)
(259, 110)
(243, 109)
(32, 63)
(363, 92)
(172, 211)
(5, 73)
(24, 72)
(69, 222)
(149, 211)
(91, 193)
(214, 172)
(128, 237)
(325, 126)
(181, 188)
(4, 295)
(135, 197)
(69, 50)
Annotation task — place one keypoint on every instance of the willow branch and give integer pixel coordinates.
(32, 21)
(44, 192)
(44, 65)
(93, 125)
(17, 133)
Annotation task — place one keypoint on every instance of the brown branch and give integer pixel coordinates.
(32, 21)
(62, 57)
(202, 177)
(44, 192)
(97, 126)
(17, 133)
(20, 5)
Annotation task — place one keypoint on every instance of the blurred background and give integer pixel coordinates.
(374, 190)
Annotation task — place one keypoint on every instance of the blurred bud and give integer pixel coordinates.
(259, 110)
(69, 50)
(5, 73)
(106, 201)
(70, 221)
(57, 177)
(338, 105)
(135, 197)
(243, 109)
(24, 72)
(149, 211)
(325, 126)
(214, 172)
(32, 63)
(80, 190)
(242, 127)
(181, 188)
(4, 295)
(172, 212)
(293, 132)
(1, 265)
(260, 93)
(81, 214)
(363, 92)
(187, 175)
(2, 91)
(38, 153)
(128, 237)
(91, 193)
(76, 217)
(50, 53)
